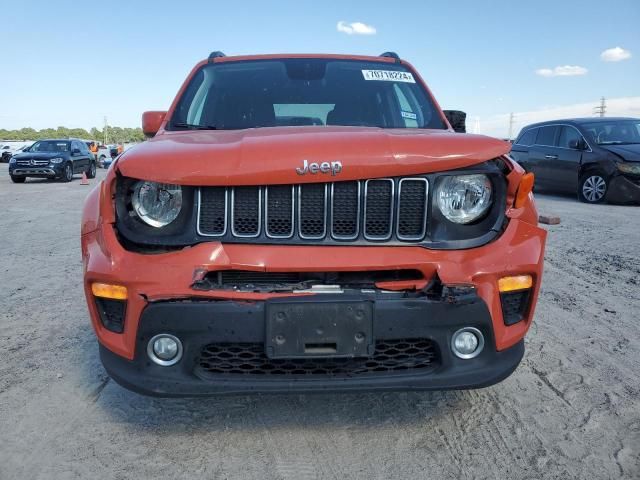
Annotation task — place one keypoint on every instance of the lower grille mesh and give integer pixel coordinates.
(213, 207)
(378, 209)
(412, 213)
(246, 211)
(279, 211)
(391, 356)
(344, 210)
(312, 210)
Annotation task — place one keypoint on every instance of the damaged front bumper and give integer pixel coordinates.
(624, 189)
(166, 296)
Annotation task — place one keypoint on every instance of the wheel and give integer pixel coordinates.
(91, 173)
(18, 179)
(67, 175)
(593, 187)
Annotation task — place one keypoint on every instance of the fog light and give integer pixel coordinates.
(467, 343)
(165, 349)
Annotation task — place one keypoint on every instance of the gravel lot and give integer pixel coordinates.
(571, 410)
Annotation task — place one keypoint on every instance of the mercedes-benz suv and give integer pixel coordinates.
(60, 159)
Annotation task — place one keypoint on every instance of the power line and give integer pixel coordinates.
(511, 120)
(601, 109)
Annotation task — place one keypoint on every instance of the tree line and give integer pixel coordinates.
(114, 134)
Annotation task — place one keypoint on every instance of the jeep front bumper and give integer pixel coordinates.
(161, 300)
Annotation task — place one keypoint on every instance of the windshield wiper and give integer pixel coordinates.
(192, 126)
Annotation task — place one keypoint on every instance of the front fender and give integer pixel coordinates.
(91, 211)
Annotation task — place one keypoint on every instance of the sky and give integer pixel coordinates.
(69, 64)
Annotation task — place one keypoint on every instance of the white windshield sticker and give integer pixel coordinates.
(409, 115)
(388, 76)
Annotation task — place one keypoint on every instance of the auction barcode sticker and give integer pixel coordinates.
(388, 76)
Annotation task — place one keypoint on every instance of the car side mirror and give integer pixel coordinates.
(577, 144)
(75, 151)
(457, 119)
(151, 122)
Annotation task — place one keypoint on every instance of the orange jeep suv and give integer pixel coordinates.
(310, 223)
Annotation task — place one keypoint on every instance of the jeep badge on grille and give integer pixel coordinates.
(325, 167)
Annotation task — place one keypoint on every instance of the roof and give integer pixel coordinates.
(579, 120)
(368, 58)
(58, 140)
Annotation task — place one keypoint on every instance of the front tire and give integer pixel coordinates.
(91, 172)
(593, 187)
(67, 174)
(18, 179)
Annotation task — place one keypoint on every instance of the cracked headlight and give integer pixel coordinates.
(629, 167)
(157, 204)
(464, 198)
(57, 160)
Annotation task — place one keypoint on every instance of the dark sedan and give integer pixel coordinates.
(599, 158)
(53, 159)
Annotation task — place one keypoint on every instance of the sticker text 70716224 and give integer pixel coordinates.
(388, 76)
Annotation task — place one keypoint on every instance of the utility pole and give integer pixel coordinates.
(106, 131)
(602, 108)
(511, 118)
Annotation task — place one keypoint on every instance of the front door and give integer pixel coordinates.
(567, 166)
(542, 156)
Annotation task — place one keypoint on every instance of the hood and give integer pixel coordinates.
(272, 155)
(630, 153)
(40, 155)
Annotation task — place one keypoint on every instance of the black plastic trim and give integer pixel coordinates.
(229, 321)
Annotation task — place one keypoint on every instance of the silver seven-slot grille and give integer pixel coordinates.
(370, 210)
(32, 163)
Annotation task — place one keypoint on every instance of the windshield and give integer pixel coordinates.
(50, 146)
(615, 132)
(304, 92)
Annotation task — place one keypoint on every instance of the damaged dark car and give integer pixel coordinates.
(599, 158)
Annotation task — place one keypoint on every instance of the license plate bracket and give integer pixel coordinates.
(307, 329)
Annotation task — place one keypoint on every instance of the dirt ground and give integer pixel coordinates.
(571, 409)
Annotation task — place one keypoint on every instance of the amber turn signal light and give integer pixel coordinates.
(106, 290)
(511, 284)
(524, 189)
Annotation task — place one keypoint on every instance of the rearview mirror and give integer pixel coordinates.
(151, 122)
(457, 119)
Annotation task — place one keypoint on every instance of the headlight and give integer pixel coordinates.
(12, 160)
(464, 198)
(157, 204)
(57, 160)
(629, 167)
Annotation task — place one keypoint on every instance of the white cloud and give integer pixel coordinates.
(356, 28)
(562, 71)
(498, 125)
(615, 54)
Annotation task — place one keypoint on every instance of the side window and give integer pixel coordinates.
(567, 134)
(547, 136)
(528, 137)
